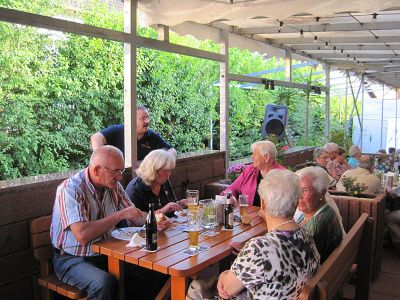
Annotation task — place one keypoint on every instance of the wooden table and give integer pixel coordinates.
(169, 259)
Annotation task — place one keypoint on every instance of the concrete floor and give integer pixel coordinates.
(387, 285)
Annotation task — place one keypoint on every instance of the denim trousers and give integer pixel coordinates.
(88, 273)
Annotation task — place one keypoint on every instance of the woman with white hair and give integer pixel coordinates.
(152, 184)
(317, 216)
(264, 160)
(277, 264)
(355, 154)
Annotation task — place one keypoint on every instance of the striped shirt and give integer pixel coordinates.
(325, 229)
(76, 201)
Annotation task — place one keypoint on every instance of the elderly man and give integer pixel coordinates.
(332, 149)
(363, 175)
(87, 208)
(355, 154)
(147, 139)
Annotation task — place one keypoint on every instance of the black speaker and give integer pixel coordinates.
(275, 119)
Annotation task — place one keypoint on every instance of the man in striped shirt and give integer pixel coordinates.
(87, 208)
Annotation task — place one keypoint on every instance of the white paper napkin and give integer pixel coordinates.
(136, 241)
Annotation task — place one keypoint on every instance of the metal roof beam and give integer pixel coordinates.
(337, 40)
(317, 28)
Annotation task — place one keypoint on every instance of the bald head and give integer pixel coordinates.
(104, 154)
(366, 162)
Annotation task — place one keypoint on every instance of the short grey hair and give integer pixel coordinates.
(354, 150)
(265, 148)
(154, 161)
(319, 177)
(142, 107)
(330, 147)
(318, 152)
(366, 162)
(280, 190)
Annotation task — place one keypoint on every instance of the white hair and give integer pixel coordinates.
(354, 150)
(281, 192)
(319, 177)
(330, 147)
(265, 148)
(154, 161)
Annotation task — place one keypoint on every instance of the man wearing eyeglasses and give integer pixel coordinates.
(87, 208)
(147, 139)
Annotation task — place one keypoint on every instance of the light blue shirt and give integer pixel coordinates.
(353, 162)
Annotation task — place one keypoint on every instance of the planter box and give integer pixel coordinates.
(351, 209)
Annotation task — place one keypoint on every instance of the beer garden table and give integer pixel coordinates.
(169, 259)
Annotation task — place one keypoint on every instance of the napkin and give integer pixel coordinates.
(136, 241)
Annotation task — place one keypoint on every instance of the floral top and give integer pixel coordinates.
(276, 265)
(336, 169)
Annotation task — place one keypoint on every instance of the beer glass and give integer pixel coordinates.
(209, 214)
(243, 205)
(192, 197)
(194, 228)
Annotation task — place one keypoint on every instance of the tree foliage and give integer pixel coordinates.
(58, 89)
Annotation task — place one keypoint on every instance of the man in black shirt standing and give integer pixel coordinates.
(147, 139)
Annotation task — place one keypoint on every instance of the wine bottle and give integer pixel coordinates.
(151, 229)
(228, 214)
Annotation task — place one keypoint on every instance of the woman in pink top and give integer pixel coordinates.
(263, 156)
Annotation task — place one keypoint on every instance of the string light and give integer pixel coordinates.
(301, 33)
(317, 19)
(280, 26)
(348, 56)
(334, 49)
(341, 51)
(326, 45)
(374, 16)
(315, 39)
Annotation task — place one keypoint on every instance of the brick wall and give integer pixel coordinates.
(26, 199)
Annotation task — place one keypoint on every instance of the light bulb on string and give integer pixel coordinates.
(280, 26)
(374, 17)
(315, 39)
(301, 33)
(326, 45)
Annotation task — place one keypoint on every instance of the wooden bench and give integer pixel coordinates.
(43, 252)
(351, 209)
(350, 259)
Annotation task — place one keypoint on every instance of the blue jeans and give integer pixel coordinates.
(87, 273)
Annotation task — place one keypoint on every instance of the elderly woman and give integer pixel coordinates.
(277, 264)
(152, 185)
(264, 160)
(354, 156)
(317, 216)
(339, 165)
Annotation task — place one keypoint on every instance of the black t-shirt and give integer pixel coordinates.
(257, 200)
(151, 140)
(141, 195)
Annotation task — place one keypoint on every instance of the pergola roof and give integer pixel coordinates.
(361, 36)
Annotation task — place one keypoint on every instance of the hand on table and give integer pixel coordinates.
(171, 206)
(131, 212)
(237, 246)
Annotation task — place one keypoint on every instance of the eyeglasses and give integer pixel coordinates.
(114, 172)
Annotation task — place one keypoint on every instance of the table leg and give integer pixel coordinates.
(116, 267)
(178, 287)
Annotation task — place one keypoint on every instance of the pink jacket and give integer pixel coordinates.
(246, 183)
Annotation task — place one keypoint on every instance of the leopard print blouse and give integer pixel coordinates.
(276, 265)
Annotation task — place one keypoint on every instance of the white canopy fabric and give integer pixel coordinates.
(356, 35)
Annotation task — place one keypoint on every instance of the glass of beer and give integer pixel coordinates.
(194, 228)
(192, 197)
(243, 205)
